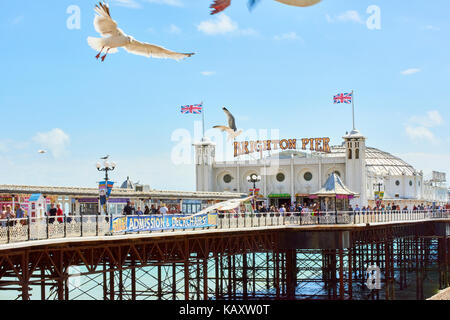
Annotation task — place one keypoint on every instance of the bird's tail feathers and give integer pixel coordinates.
(95, 43)
(233, 135)
(98, 44)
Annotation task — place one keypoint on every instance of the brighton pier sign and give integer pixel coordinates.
(312, 144)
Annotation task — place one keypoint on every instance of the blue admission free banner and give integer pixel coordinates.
(159, 222)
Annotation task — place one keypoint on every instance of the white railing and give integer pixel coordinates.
(29, 229)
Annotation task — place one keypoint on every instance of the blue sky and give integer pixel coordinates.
(276, 67)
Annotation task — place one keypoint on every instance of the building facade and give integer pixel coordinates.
(293, 176)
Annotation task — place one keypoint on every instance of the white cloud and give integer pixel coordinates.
(432, 119)
(418, 127)
(420, 133)
(55, 140)
(173, 3)
(248, 32)
(222, 24)
(174, 29)
(9, 145)
(208, 73)
(126, 3)
(411, 71)
(351, 15)
(287, 36)
(432, 28)
(347, 16)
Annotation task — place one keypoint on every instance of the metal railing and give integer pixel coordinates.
(29, 229)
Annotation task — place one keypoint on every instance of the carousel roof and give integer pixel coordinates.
(334, 186)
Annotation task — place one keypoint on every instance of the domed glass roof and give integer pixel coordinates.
(380, 162)
(127, 184)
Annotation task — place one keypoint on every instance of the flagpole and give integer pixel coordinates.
(353, 109)
(203, 119)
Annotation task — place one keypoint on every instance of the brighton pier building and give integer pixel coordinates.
(302, 167)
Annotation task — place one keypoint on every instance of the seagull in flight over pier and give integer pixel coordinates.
(220, 5)
(113, 38)
(232, 131)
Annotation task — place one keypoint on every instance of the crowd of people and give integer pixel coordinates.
(382, 208)
(314, 209)
(7, 213)
(294, 208)
(54, 214)
(130, 210)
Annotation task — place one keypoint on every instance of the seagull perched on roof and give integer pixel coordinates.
(113, 38)
(231, 129)
(220, 5)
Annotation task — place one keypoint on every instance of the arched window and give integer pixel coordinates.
(357, 154)
(350, 154)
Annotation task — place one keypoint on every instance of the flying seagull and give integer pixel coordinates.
(231, 129)
(113, 38)
(42, 151)
(105, 158)
(220, 5)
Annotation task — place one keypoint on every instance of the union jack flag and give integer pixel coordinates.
(343, 98)
(196, 108)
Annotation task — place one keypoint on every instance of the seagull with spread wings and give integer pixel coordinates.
(232, 131)
(220, 5)
(113, 38)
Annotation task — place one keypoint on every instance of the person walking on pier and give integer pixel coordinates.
(128, 210)
(2, 218)
(52, 213)
(20, 214)
(9, 214)
(163, 210)
(59, 213)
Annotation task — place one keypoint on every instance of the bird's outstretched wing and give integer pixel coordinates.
(151, 50)
(219, 6)
(103, 23)
(223, 128)
(231, 121)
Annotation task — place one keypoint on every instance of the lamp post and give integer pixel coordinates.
(379, 184)
(106, 168)
(254, 178)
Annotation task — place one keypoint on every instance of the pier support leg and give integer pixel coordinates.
(291, 273)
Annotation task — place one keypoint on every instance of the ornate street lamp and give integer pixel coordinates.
(379, 184)
(254, 178)
(106, 168)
